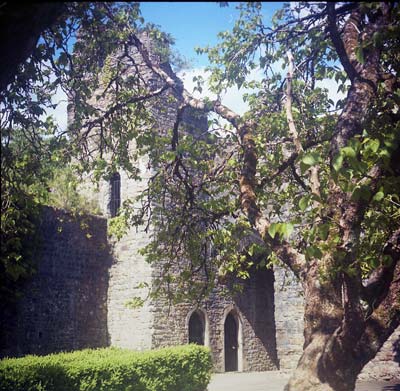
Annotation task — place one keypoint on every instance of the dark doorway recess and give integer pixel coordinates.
(231, 343)
(196, 328)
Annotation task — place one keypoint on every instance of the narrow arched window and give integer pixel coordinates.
(115, 196)
(196, 328)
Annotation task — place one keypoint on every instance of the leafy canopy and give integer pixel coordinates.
(210, 195)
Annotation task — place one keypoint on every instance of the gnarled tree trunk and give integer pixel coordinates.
(341, 335)
(336, 346)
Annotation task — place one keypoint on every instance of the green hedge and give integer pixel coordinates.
(181, 368)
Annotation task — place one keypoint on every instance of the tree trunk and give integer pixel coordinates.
(336, 348)
(323, 314)
(311, 375)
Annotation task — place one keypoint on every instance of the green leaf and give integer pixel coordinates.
(373, 145)
(303, 203)
(317, 253)
(374, 262)
(313, 252)
(356, 194)
(349, 152)
(286, 229)
(361, 192)
(323, 231)
(379, 196)
(310, 159)
(377, 39)
(303, 167)
(359, 52)
(273, 228)
(387, 260)
(337, 162)
(134, 303)
(231, 162)
(169, 156)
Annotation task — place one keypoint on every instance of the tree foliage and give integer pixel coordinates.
(34, 150)
(299, 178)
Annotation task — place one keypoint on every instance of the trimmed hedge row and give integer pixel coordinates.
(181, 368)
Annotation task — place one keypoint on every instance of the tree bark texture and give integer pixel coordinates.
(329, 362)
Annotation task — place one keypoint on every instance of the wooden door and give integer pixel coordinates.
(231, 343)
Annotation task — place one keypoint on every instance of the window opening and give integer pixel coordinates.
(115, 199)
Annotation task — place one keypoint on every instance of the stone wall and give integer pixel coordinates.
(64, 305)
(289, 312)
(130, 327)
(253, 309)
(386, 364)
(77, 299)
(256, 306)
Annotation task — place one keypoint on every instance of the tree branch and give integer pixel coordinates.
(338, 43)
(288, 104)
(377, 286)
(288, 162)
(314, 180)
(177, 86)
(382, 322)
(288, 255)
(134, 99)
(175, 132)
(298, 178)
(247, 182)
(362, 90)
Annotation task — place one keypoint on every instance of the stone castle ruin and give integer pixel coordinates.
(78, 297)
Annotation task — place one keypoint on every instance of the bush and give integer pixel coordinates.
(182, 368)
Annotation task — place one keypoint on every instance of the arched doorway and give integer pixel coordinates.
(231, 343)
(196, 328)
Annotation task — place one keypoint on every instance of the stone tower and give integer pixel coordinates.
(239, 329)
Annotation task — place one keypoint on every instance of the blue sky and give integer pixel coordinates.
(196, 23)
(191, 24)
